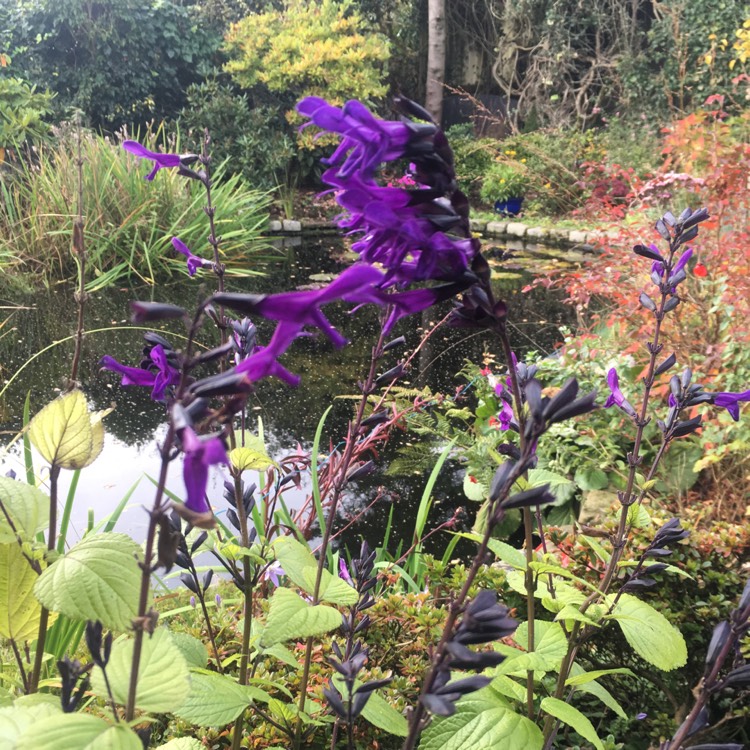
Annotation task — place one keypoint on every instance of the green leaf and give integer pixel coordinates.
(290, 616)
(163, 678)
(384, 716)
(501, 550)
(550, 642)
(561, 487)
(650, 634)
(483, 721)
(584, 677)
(252, 455)
(27, 506)
(192, 650)
(638, 516)
(99, 579)
(474, 489)
(283, 654)
(66, 434)
(301, 567)
(15, 719)
(19, 609)
(571, 612)
(573, 718)
(591, 479)
(78, 732)
(216, 700)
(182, 743)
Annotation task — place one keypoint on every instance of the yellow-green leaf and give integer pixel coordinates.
(28, 508)
(252, 455)
(19, 609)
(66, 434)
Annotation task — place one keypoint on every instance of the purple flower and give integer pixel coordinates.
(344, 572)
(641, 716)
(366, 140)
(161, 161)
(200, 453)
(731, 402)
(159, 375)
(273, 573)
(262, 363)
(616, 398)
(194, 262)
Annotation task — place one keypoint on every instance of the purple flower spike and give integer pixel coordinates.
(194, 262)
(161, 161)
(200, 453)
(616, 398)
(262, 363)
(159, 376)
(731, 402)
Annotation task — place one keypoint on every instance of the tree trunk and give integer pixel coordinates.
(435, 59)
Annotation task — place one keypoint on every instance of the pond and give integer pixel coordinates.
(44, 322)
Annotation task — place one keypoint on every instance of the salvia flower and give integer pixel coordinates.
(731, 402)
(616, 397)
(158, 374)
(194, 262)
(161, 161)
(200, 453)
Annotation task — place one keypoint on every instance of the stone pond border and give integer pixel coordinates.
(511, 230)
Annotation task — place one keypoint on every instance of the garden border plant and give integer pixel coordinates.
(415, 250)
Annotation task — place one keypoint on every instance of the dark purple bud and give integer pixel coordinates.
(648, 252)
(528, 498)
(687, 376)
(214, 354)
(375, 419)
(198, 541)
(359, 702)
(390, 375)
(533, 393)
(669, 533)
(333, 696)
(647, 302)
(688, 235)
(147, 312)
(564, 397)
(675, 386)
(693, 219)
(400, 341)
(189, 581)
(225, 384)
(688, 427)
(657, 552)
(722, 632)
(438, 704)
(638, 583)
(357, 471)
(206, 582)
(233, 519)
(717, 746)
(656, 568)
(668, 363)
(662, 229)
(464, 686)
(669, 219)
(499, 480)
(671, 304)
(464, 658)
(368, 687)
(738, 678)
(583, 405)
(95, 642)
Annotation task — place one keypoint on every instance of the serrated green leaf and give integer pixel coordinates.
(283, 654)
(78, 732)
(550, 642)
(15, 719)
(592, 687)
(290, 616)
(302, 568)
(19, 609)
(638, 516)
(252, 455)
(383, 715)
(66, 434)
(192, 650)
(573, 718)
(561, 487)
(216, 700)
(650, 634)
(571, 612)
(483, 721)
(163, 678)
(509, 688)
(99, 579)
(27, 506)
(591, 479)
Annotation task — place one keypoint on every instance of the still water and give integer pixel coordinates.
(36, 348)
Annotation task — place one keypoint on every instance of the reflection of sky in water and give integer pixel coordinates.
(288, 415)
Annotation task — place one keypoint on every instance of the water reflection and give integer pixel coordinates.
(289, 415)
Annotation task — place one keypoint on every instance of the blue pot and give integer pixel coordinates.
(509, 207)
